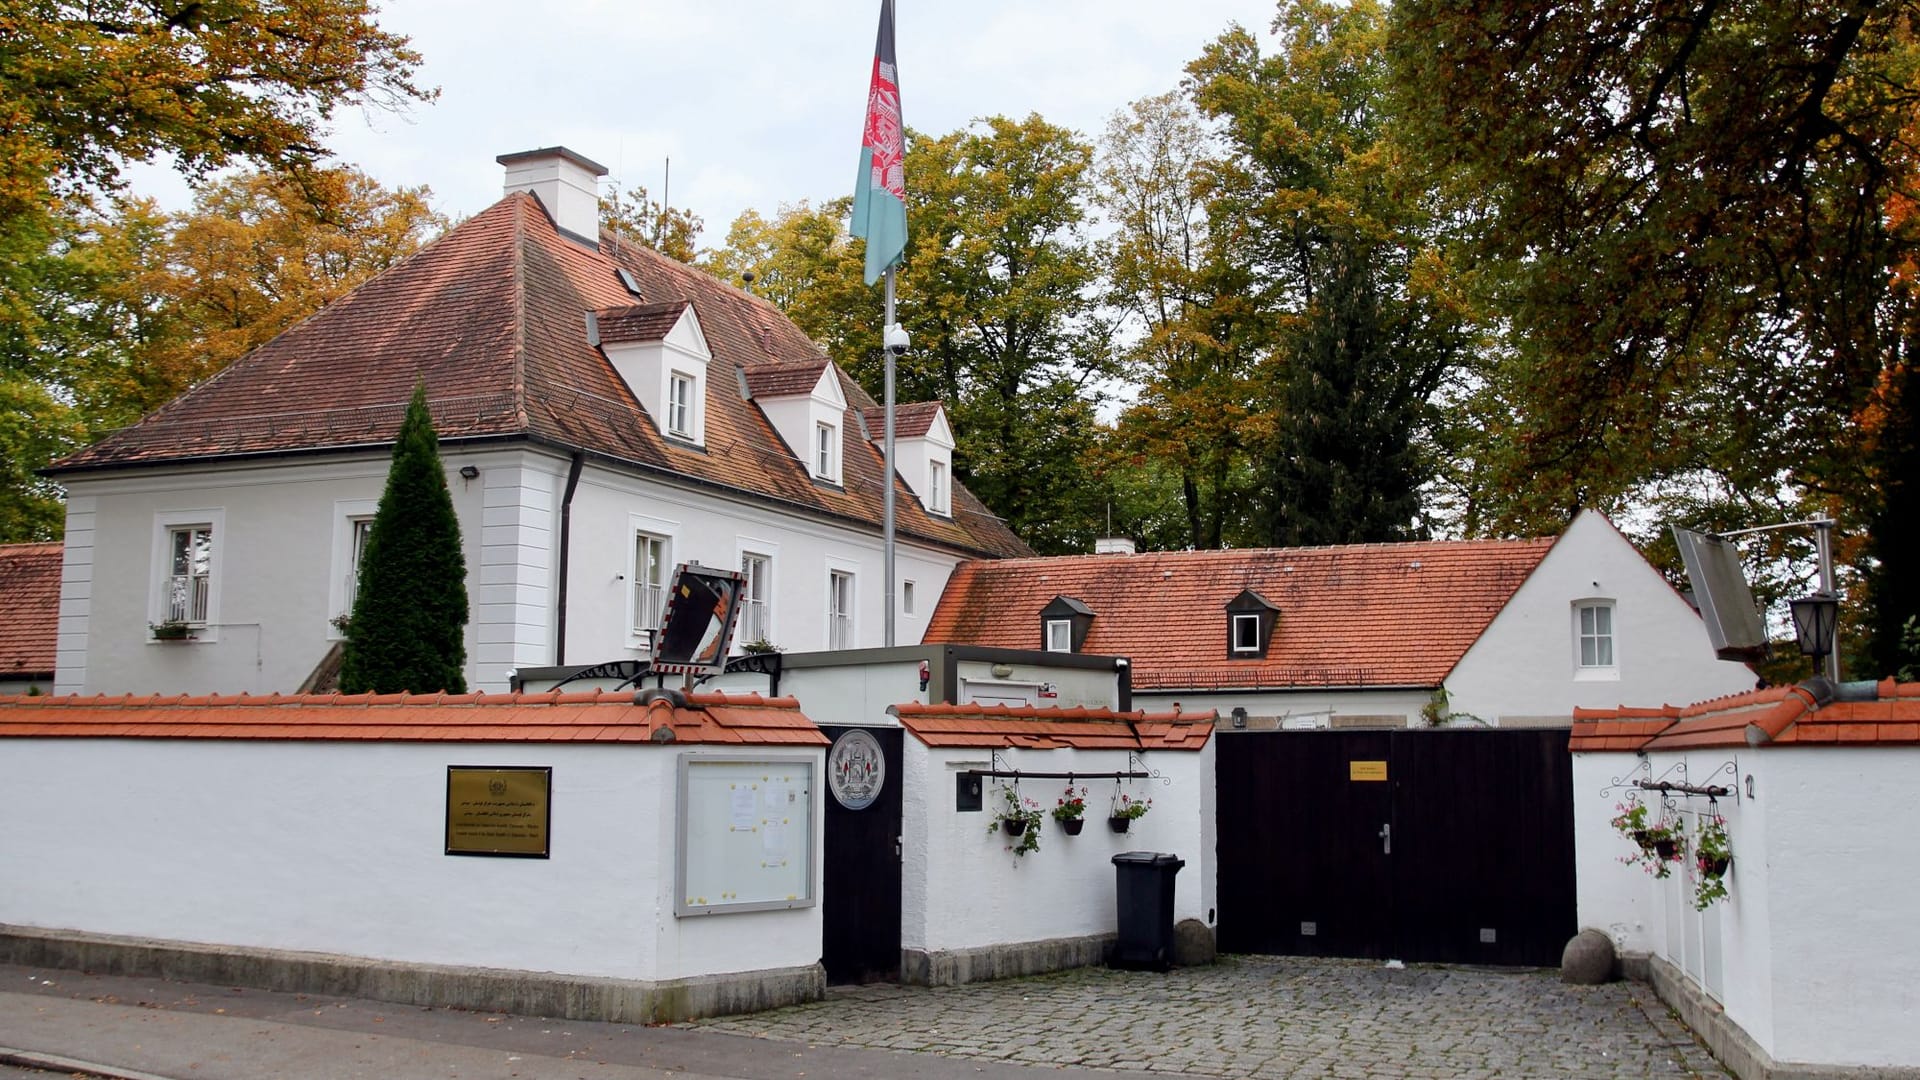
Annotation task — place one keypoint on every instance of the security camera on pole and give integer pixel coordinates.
(880, 218)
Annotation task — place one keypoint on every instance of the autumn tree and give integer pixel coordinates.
(87, 87)
(1191, 344)
(804, 262)
(1681, 213)
(1344, 269)
(408, 627)
(644, 220)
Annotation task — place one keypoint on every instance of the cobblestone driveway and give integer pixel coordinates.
(1267, 1017)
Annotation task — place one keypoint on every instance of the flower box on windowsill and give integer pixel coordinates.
(172, 631)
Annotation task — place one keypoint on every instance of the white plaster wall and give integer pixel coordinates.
(1090, 687)
(962, 887)
(337, 847)
(1523, 666)
(1609, 895)
(710, 528)
(273, 570)
(856, 695)
(1842, 852)
(1268, 709)
(510, 592)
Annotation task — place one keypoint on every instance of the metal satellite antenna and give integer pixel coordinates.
(1720, 588)
(703, 607)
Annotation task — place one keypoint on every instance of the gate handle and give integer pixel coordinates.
(1386, 838)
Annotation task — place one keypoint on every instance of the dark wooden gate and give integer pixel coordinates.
(860, 902)
(1440, 846)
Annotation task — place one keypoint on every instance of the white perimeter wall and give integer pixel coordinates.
(1524, 665)
(338, 847)
(1811, 953)
(963, 889)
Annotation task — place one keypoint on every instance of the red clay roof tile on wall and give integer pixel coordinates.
(594, 715)
(1777, 716)
(29, 609)
(1358, 615)
(491, 317)
(986, 726)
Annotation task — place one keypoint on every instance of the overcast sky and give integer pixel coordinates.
(757, 103)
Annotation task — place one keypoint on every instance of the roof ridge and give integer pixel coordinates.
(519, 348)
(1206, 553)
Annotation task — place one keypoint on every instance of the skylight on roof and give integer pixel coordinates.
(627, 279)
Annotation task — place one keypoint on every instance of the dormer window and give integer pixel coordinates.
(826, 452)
(1064, 624)
(680, 405)
(923, 450)
(658, 350)
(1251, 620)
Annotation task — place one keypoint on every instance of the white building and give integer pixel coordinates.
(1502, 632)
(604, 414)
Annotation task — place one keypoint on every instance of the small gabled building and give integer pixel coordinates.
(1502, 632)
(604, 413)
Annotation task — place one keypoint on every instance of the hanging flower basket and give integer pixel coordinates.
(1713, 857)
(1070, 810)
(1072, 826)
(1127, 810)
(1659, 844)
(1119, 824)
(1019, 818)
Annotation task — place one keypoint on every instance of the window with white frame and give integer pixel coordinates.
(906, 597)
(1059, 635)
(190, 573)
(839, 609)
(937, 487)
(755, 596)
(361, 530)
(826, 452)
(1246, 633)
(680, 405)
(649, 584)
(1594, 632)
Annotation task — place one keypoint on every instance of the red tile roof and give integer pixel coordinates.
(491, 317)
(911, 421)
(555, 716)
(641, 322)
(989, 726)
(1358, 615)
(29, 609)
(1777, 716)
(787, 378)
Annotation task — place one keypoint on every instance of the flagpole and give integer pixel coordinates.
(888, 482)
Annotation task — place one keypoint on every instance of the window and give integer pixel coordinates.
(826, 452)
(1595, 622)
(1059, 635)
(680, 405)
(189, 581)
(754, 596)
(1246, 633)
(649, 584)
(937, 486)
(361, 530)
(906, 597)
(839, 609)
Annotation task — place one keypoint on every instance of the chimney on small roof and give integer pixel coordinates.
(1113, 545)
(566, 183)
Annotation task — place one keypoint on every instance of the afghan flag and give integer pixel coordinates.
(880, 195)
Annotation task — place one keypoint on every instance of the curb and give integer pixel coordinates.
(30, 1059)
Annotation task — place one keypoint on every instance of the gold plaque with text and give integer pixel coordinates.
(1366, 770)
(492, 811)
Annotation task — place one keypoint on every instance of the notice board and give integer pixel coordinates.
(746, 834)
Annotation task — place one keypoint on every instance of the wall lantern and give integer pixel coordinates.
(1239, 716)
(1813, 621)
(469, 472)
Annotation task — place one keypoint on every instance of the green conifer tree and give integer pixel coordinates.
(408, 630)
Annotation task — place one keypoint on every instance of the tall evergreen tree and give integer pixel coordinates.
(408, 630)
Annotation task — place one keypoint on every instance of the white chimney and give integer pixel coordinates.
(1112, 545)
(567, 184)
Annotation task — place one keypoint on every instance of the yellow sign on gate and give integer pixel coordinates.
(1366, 770)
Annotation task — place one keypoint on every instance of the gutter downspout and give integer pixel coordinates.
(566, 533)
